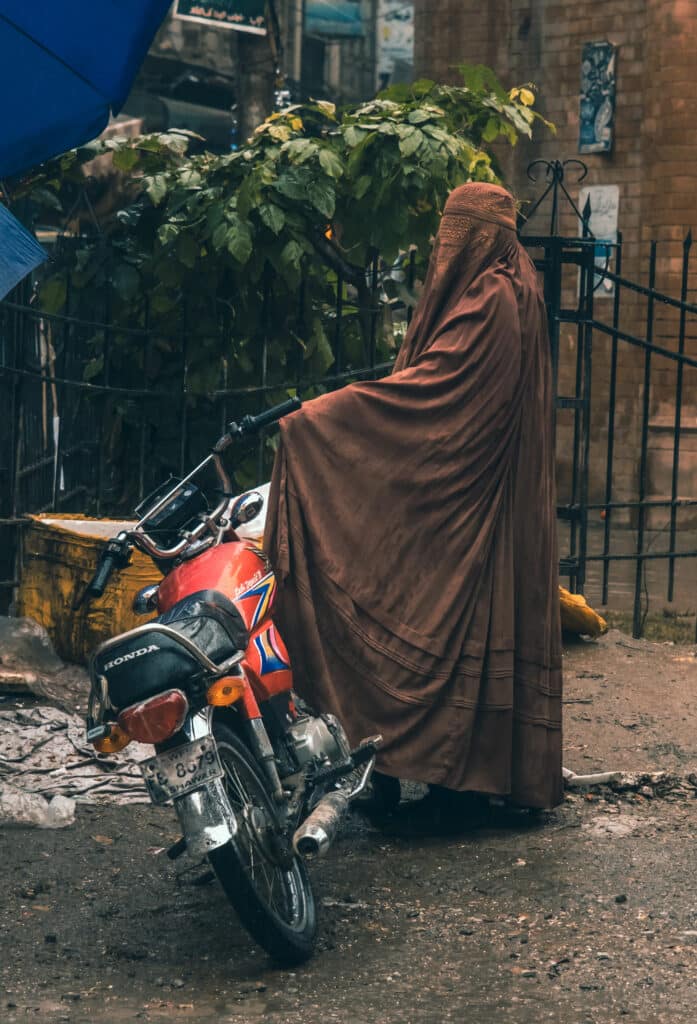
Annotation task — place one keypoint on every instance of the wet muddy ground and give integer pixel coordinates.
(588, 914)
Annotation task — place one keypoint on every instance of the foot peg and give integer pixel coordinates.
(177, 849)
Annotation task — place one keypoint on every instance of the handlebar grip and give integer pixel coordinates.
(97, 585)
(250, 424)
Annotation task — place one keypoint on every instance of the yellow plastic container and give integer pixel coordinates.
(59, 557)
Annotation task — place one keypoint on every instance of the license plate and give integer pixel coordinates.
(181, 770)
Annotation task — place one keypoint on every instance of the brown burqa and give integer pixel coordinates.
(412, 527)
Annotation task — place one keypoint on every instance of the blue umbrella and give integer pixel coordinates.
(65, 67)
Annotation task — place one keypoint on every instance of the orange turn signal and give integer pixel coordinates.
(116, 740)
(225, 691)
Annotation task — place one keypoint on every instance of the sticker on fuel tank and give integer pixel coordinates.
(262, 593)
(269, 656)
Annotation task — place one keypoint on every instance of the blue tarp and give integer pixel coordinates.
(20, 253)
(64, 67)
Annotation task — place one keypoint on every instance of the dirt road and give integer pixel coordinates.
(586, 915)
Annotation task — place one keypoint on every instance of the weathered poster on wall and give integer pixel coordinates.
(395, 41)
(242, 15)
(334, 18)
(597, 101)
(603, 224)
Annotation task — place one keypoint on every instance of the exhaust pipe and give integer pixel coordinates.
(319, 830)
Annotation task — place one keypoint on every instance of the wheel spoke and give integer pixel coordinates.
(269, 886)
(276, 886)
(234, 779)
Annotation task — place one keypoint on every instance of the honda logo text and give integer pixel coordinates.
(129, 657)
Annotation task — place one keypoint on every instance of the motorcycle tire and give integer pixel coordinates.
(274, 902)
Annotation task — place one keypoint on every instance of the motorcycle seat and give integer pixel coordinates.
(211, 621)
(141, 663)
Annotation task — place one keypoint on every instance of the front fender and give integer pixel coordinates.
(205, 815)
(206, 818)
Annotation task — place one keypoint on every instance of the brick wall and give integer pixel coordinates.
(654, 163)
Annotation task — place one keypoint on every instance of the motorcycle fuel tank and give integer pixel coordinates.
(233, 569)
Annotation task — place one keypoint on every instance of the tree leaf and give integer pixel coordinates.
(53, 293)
(126, 159)
(293, 184)
(300, 150)
(492, 129)
(93, 368)
(291, 261)
(239, 240)
(420, 116)
(272, 216)
(174, 142)
(219, 237)
(280, 132)
(331, 164)
(327, 108)
(323, 197)
(156, 188)
(248, 195)
(190, 178)
(362, 185)
(354, 136)
(319, 353)
(409, 144)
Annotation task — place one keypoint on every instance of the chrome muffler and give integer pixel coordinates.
(319, 830)
(321, 827)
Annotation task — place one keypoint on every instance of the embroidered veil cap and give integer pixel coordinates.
(478, 200)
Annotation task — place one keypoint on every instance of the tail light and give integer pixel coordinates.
(156, 719)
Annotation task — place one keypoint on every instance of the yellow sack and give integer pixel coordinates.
(577, 616)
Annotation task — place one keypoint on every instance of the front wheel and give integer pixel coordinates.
(271, 893)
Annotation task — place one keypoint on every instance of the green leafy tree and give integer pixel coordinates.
(219, 253)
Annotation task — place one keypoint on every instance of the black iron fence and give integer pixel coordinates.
(75, 440)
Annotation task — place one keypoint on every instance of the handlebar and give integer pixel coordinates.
(252, 424)
(116, 555)
(97, 585)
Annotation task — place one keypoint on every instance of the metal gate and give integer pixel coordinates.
(620, 525)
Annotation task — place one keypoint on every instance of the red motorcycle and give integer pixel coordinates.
(259, 782)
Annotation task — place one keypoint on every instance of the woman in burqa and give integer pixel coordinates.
(412, 527)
